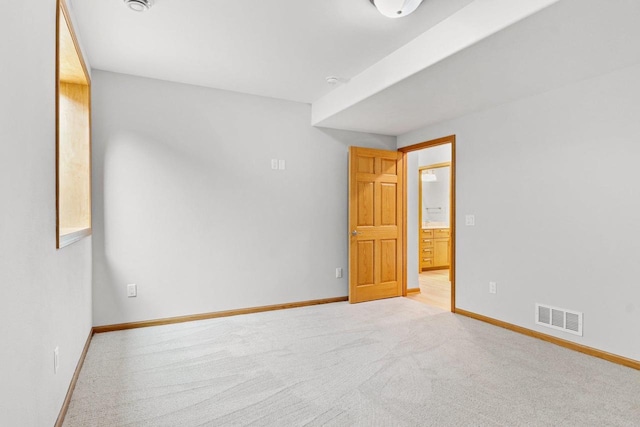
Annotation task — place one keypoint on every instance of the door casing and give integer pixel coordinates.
(451, 139)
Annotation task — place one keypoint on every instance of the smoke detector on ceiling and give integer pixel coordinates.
(139, 5)
(333, 80)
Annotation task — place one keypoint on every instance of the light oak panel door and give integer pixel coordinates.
(375, 223)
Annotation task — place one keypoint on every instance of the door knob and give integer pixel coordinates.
(354, 233)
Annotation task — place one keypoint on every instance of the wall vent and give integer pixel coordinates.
(559, 318)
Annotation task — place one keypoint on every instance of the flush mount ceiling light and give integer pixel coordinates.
(139, 5)
(396, 8)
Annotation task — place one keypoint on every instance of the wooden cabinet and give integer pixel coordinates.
(441, 253)
(434, 248)
(425, 248)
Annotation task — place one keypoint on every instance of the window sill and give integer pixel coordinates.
(72, 235)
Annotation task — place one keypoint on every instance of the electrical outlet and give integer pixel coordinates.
(274, 164)
(338, 273)
(132, 290)
(470, 220)
(56, 359)
(493, 287)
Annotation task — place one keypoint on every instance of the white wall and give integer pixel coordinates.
(440, 189)
(415, 160)
(433, 155)
(188, 208)
(413, 163)
(45, 294)
(553, 182)
(435, 198)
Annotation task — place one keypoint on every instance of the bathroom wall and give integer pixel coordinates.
(436, 197)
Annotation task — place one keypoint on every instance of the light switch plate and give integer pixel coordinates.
(281, 165)
(132, 290)
(470, 220)
(338, 273)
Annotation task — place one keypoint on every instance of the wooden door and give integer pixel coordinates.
(375, 224)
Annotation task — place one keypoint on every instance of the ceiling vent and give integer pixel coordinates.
(139, 5)
(559, 318)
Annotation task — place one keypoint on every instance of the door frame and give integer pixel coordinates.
(451, 139)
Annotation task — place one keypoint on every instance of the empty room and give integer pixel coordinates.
(320, 212)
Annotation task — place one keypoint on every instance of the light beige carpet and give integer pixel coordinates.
(394, 362)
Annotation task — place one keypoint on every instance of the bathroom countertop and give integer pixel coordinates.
(434, 225)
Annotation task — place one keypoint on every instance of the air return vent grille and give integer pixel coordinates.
(559, 318)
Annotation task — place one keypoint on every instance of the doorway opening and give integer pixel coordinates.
(429, 226)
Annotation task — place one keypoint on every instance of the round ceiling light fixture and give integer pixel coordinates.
(396, 8)
(139, 5)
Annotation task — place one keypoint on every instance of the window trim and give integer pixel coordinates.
(62, 240)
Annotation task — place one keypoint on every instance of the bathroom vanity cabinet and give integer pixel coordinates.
(435, 244)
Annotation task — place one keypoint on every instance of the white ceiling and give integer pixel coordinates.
(277, 48)
(285, 49)
(569, 41)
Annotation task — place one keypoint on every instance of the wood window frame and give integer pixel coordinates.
(65, 235)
